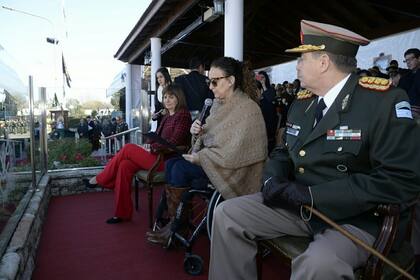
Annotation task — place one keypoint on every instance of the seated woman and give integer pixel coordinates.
(118, 173)
(229, 149)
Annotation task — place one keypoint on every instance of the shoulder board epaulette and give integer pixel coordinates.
(375, 83)
(304, 94)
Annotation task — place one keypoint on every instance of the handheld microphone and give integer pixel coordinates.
(159, 114)
(207, 104)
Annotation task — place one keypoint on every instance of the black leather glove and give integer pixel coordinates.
(288, 195)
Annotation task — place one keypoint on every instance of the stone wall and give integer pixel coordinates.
(18, 262)
(19, 258)
(70, 182)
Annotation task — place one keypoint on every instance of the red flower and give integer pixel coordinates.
(63, 157)
(78, 156)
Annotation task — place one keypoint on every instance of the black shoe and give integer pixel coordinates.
(89, 185)
(114, 220)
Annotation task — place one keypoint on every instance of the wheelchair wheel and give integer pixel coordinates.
(215, 200)
(193, 265)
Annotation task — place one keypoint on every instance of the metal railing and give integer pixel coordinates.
(10, 151)
(110, 145)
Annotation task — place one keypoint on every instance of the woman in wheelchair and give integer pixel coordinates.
(118, 173)
(229, 149)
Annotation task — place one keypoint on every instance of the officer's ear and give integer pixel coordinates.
(324, 62)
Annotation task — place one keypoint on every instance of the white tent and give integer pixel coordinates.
(117, 84)
(9, 79)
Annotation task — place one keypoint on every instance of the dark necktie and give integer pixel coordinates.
(318, 110)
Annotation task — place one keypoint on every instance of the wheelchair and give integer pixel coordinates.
(206, 199)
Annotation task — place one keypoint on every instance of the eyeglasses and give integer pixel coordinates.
(214, 82)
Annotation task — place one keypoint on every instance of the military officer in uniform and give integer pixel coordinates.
(351, 144)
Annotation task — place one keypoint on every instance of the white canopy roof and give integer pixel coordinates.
(9, 79)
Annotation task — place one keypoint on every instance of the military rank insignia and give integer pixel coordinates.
(292, 129)
(403, 110)
(344, 134)
(375, 83)
(304, 94)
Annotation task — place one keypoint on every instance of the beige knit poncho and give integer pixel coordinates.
(233, 146)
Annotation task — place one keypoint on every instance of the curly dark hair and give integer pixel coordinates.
(244, 77)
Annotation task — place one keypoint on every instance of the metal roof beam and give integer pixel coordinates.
(177, 11)
(208, 16)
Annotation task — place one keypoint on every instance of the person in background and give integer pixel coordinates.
(106, 132)
(121, 127)
(296, 86)
(268, 109)
(345, 178)
(82, 129)
(60, 127)
(411, 84)
(376, 72)
(119, 172)
(113, 126)
(106, 127)
(229, 149)
(411, 81)
(364, 73)
(394, 76)
(394, 66)
(195, 86)
(90, 125)
(96, 134)
(163, 79)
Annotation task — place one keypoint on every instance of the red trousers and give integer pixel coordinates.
(118, 175)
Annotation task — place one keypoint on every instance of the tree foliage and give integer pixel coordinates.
(115, 100)
(95, 105)
(75, 108)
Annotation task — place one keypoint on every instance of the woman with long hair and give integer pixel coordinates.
(163, 79)
(118, 173)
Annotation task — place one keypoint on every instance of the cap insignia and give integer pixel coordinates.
(375, 83)
(304, 94)
(307, 48)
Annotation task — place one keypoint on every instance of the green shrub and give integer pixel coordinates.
(67, 151)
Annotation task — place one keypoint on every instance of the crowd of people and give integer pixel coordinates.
(336, 139)
(95, 128)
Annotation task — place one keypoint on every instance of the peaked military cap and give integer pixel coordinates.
(316, 36)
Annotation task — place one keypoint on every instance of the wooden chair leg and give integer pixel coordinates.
(136, 193)
(259, 262)
(150, 200)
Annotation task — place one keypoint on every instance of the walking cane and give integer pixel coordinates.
(359, 242)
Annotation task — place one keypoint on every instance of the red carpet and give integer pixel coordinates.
(76, 243)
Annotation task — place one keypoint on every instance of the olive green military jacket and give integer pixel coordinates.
(363, 152)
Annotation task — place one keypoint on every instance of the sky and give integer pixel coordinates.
(89, 33)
